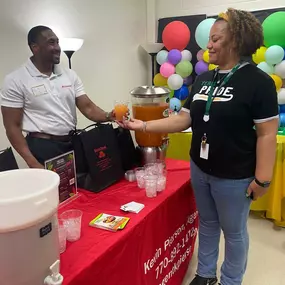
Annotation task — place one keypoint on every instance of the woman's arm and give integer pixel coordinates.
(172, 124)
(265, 149)
(265, 156)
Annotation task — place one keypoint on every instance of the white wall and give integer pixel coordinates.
(170, 8)
(110, 62)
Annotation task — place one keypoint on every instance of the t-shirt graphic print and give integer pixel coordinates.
(249, 97)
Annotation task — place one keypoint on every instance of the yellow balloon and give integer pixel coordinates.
(259, 55)
(278, 81)
(159, 80)
(183, 102)
(206, 56)
(212, 66)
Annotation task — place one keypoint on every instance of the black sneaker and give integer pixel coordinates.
(198, 280)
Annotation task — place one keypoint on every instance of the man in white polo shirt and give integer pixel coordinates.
(40, 99)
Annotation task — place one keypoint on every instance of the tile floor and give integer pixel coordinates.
(266, 264)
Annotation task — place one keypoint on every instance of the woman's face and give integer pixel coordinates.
(220, 45)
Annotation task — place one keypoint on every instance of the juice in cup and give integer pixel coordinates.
(121, 110)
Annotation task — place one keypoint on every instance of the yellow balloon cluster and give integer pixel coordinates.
(277, 80)
(259, 55)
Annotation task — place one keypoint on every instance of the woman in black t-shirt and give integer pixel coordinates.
(231, 161)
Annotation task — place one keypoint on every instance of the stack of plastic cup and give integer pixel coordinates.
(140, 172)
(158, 169)
(72, 222)
(161, 166)
(161, 181)
(151, 169)
(150, 181)
(61, 236)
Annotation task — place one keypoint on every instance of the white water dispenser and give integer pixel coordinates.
(29, 246)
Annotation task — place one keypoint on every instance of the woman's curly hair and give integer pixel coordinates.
(245, 30)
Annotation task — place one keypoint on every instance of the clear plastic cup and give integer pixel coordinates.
(150, 185)
(72, 222)
(121, 109)
(161, 166)
(140, 173)
(61, 236)
(151, 169)
(161, 181)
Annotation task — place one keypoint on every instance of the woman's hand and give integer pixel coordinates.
(255, 190)
(132, 124)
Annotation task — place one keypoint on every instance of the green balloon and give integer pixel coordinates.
(184, 68)
(273, 29)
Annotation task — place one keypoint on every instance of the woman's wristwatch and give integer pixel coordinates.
(264, 184)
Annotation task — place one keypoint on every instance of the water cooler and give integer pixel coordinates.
(150, 103)
(29, 246)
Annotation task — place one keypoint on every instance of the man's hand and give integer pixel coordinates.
(90, 110)
(256, 190)
(112, 116)
(36, 165)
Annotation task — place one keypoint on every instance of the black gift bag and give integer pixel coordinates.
(97, 155)
(7, 160)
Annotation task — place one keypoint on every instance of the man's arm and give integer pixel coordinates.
(91, 111)
(12, 119)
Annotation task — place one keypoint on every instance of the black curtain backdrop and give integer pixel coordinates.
(193, 21)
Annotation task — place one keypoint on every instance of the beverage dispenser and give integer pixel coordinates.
(150, 103)
(29, 245)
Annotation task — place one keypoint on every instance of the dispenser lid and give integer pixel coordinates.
(150, 91)
(27, 197)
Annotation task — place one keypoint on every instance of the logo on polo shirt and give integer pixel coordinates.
(66, 86)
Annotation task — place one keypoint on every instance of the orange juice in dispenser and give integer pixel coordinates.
(150, 103)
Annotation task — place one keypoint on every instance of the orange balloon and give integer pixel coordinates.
(277, 80)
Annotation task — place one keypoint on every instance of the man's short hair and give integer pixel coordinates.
(34, 34)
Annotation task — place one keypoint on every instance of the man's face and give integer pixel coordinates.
(47, 47)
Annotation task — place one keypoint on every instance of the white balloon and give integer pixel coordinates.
(186, 55)
(281, 96)
(162, 57)
(175, 81)
(280, 69)
(266, 67)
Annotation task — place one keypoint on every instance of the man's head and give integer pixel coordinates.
(44, 44)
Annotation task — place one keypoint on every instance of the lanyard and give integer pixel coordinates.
(206, 117)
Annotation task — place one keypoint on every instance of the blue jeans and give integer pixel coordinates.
(222, 205)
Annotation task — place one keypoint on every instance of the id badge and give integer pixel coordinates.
(39, 90)
(204, 151)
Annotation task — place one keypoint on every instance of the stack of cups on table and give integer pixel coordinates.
(152, 178)
(69, 227)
